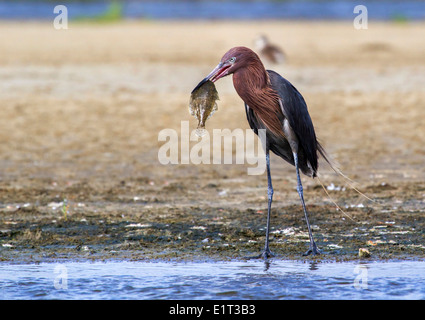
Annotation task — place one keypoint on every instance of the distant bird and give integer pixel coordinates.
(269, 51)
(274, 104)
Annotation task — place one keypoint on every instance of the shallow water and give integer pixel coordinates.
(277, 279)
(335, 9)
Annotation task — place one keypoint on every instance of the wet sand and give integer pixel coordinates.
(81, 110)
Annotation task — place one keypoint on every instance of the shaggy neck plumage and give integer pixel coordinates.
(252, 84)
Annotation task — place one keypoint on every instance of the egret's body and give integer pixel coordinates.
(272, 103)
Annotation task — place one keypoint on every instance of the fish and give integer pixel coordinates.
(203, 104)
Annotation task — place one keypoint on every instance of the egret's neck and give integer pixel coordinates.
(252, 84)
(251, 81)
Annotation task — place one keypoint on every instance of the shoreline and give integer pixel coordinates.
(81, 113)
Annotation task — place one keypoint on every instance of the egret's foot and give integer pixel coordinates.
(312, 250)
(266, 254)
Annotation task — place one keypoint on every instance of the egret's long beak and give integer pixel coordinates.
(219, 71)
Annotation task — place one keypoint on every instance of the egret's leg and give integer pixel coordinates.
(313, 248)
(267, 253)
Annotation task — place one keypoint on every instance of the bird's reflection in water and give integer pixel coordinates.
(266, 265)
(314, 265)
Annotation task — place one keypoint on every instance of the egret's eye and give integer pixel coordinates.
(232, 59)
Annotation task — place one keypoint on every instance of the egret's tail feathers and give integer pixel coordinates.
(326, 191)
(335, 168)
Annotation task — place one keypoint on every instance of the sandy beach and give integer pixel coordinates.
(81, 110)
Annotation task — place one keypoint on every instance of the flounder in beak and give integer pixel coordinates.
(203, 103)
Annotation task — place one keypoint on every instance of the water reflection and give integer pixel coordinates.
(313, 266)
(266, 265)
(259, 279)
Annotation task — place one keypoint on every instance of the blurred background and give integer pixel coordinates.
(213, 9)
(84, 93)
(81, 107)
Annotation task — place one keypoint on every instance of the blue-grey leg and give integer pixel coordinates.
(313, 248)
(267, 253)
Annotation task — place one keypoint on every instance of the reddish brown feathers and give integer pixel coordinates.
(252, 84)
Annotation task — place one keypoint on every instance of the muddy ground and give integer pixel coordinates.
(81, 111)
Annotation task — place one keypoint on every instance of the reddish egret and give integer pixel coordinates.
(268, 50)
(272, 103)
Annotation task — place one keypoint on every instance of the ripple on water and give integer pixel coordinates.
(214, 280)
